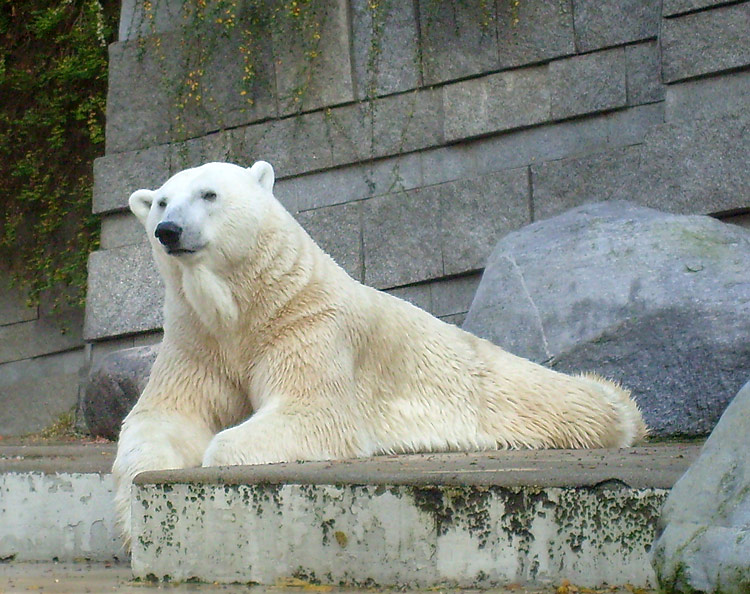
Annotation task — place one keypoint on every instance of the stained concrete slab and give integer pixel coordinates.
(56, 502)
(395, 536)
(66, 516)
(656, 465)
(58, 578)
(57, 457)
(418, 521)
(56, 498)
(651, 466)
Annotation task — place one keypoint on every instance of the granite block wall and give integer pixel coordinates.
(470, 120)
(42, 359)
(422, 131)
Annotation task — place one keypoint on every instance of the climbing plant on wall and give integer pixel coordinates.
(53, 85)
(222, 58)
(193, 48)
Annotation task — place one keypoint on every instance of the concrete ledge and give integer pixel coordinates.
(657, 466)
(56, 503)
(62, 458)
(464, 520)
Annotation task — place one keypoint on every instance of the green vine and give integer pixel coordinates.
(253, 25)
(53, 81)
(292, 30)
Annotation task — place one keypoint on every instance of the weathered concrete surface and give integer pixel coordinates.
(658, 466)
(65, 516)
(415, 537)
(66, 577)
(466, 520)
(705, 540)
(56, 503)
(75, 458)
(58, 578)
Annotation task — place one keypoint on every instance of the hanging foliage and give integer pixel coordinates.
(53, 86)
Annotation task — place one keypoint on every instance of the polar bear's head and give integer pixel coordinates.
(211, 211)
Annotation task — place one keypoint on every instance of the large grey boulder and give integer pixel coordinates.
(657, 301)
(704, 544)
(114, 384)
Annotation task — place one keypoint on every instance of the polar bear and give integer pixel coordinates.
(273, 353)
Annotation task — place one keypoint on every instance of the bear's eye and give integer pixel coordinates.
(209, 196)
(162, 203)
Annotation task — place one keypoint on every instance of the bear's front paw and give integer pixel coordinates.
(223, 451)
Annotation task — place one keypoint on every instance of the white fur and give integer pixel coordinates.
(273, 353)
(210, 297)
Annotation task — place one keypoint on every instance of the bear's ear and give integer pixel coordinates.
(140, 203)
(263, 174)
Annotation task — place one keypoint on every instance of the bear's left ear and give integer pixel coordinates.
(263, 174)
(140, 203)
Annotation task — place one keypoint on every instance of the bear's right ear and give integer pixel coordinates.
(263, 174)
(140, 203)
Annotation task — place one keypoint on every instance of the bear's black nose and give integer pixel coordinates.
(168, 233)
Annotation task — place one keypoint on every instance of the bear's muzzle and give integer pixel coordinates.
(169, 235)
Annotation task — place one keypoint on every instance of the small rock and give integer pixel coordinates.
(114, 385)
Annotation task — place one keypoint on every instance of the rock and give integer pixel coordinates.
(657, 301)
(114, 385)
(704, 543)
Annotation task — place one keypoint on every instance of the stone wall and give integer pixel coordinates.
(408, 163)
(42, 362)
